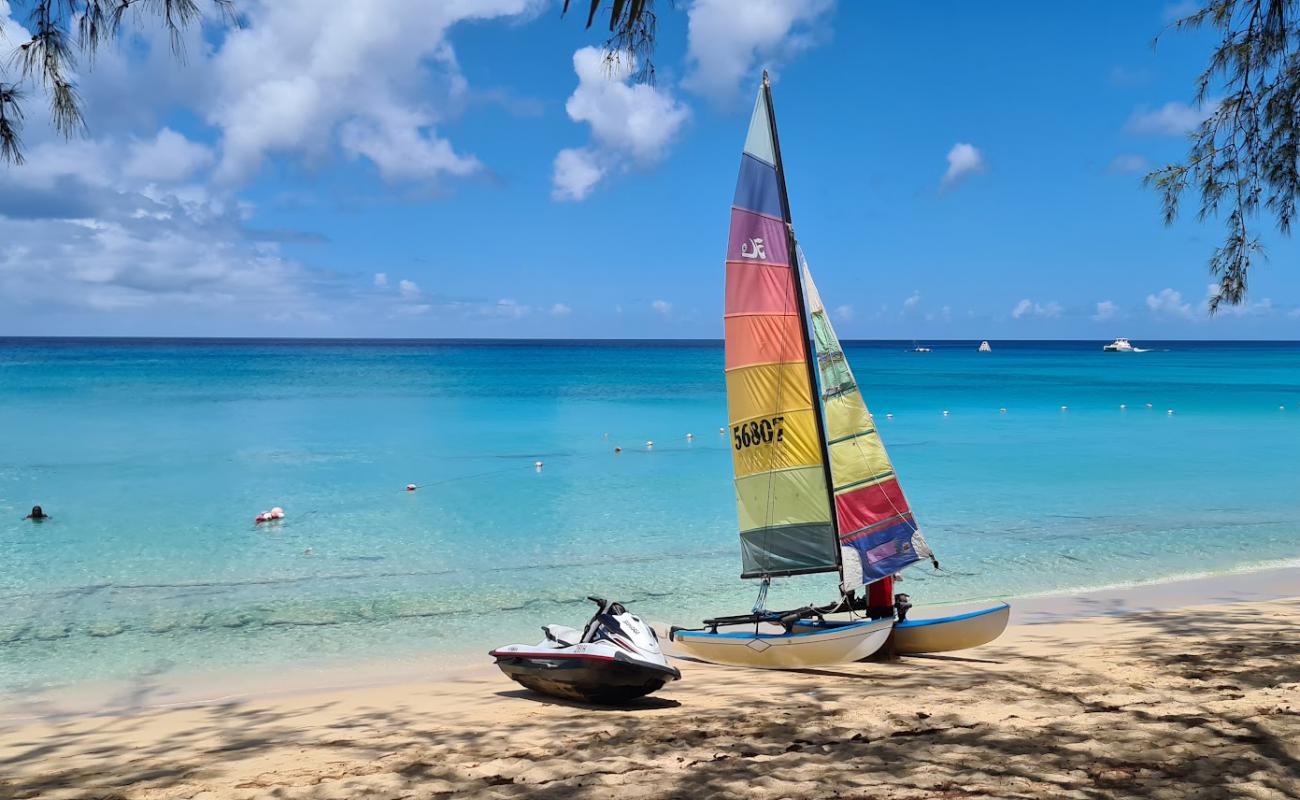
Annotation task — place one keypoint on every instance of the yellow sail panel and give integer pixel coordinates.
(781, 441)
(767, 390)
(846, 415)
(789, 497)
(859, 461)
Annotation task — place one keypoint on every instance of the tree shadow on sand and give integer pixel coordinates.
(1180, 704)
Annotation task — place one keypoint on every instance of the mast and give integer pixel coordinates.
(810, 357)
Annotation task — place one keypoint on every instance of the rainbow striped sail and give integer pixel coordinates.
(815, 489)
(786, 521)
(878, 535)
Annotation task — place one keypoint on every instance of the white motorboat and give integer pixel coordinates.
(1119, 346)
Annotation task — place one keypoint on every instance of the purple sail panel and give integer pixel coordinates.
(756, 239)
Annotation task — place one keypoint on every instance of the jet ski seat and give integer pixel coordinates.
(562, 634)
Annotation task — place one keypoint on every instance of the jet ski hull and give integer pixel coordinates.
(586, 678)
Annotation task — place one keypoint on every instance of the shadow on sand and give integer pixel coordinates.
(1174, 704)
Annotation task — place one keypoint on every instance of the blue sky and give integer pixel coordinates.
(471, 171)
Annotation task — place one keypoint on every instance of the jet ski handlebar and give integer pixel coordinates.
(608, 606)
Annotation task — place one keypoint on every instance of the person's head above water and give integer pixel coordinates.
(37, 513)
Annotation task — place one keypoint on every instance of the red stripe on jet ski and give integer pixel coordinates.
(553, 655)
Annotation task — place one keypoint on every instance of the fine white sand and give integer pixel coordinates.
(1194, 702)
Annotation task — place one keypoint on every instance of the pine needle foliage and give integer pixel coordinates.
(1243, 157)
(62, 32)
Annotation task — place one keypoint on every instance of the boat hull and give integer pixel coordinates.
(586, 679)
(937, 634)
(841, 644)
(945, 634)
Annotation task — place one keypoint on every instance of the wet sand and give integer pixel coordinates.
(1196, 702)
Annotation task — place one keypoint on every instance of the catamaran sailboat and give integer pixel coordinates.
(815, 489)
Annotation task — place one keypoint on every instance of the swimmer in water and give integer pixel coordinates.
(37, 514)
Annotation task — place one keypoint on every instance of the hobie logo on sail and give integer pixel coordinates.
(753, 249)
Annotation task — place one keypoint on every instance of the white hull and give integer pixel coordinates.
(745, 648)
(939, 634)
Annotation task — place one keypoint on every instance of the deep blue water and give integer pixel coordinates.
(153, 456)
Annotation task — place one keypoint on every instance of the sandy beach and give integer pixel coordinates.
(1201, 701)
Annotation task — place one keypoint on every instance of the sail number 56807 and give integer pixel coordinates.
(761, 431)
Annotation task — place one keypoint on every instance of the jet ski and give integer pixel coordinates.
(615, 658)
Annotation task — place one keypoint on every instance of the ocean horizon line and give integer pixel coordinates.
(22, 339)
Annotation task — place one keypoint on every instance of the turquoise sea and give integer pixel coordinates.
(154, 456)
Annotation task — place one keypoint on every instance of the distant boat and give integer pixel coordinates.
(916, 348)
(984, 347)
(1120, 346)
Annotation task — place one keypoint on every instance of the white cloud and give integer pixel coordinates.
(1171, 119)
(1030, 308)
(631, 124)
(560, 310)
(174, 258)
(576, 174)
(844, 313)
(662, 307)
(408, 288)
(381, 280)
(1105, 310)
(912, 301)
(1169, 303)
(508, 309)
(375, 81)
(726, 38)
(1128, 164)
(168, 158)
(963, 159)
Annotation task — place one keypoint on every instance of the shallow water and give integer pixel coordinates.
(153, 457)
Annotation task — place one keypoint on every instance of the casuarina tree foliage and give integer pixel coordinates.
(1243, 156)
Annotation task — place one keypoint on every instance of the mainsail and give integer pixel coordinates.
(786, 522)
(878, 535)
